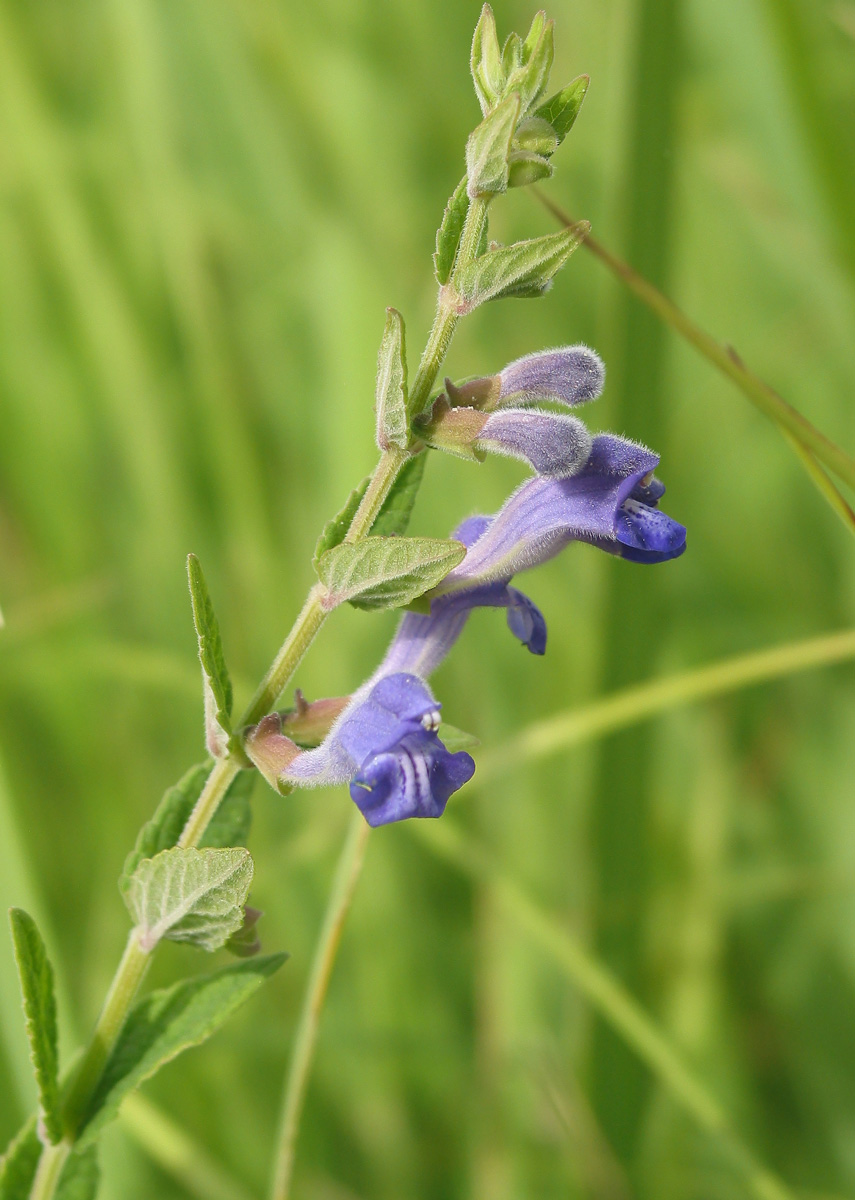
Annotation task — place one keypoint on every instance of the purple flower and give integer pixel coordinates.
(611, 503)
(551, 443)
(567, 375)
(384, 743)
(386, 746)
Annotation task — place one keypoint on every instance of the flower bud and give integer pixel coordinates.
(268, 749)
(569, 375)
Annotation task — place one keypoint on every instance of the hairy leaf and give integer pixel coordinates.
(215, 676)
(394, 516)
(450, 229)
(535, 54)
(523, 269)
(164, 1024)
(488, 148)
(562, 109)
(229, 826)
(386, 572)
(190, 895)
(334, 531)
(391, 388)
(37, 989)
(486, 61)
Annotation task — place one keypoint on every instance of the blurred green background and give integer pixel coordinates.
(205, 206)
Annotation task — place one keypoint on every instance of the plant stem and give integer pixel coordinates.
(129, 975)
(447, 316)
(344, 884)
(50, 1166)
(758, 392)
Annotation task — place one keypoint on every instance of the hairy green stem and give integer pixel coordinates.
(346, 878)
(129, 975)
(758, 392)
(447, 316)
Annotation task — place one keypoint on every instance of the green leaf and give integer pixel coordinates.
(391, 389)
(488, 148)
(486, 61)
(511, 55)
(78, 1181)
(562, 109)
(190, 895)
(229, 826)
(36, 976)
(448, 234)
(387, 572)
(535, 58)
(523, 269)
(164, 1024)
(215, 675)
(455, 739)
(394, 517)
(335, 531)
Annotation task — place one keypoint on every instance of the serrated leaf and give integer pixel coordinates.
(190, 895)
(387, 572)
(229, 826)
(488, 148)
(78, 1181)
(455, 739)
(485, 60)
(215, 676)
(37, 988)
(391, 388)
(335, 531)
(525, 268)
(394, 516)
(562, 109)
(448, 234)
(164, 1024)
